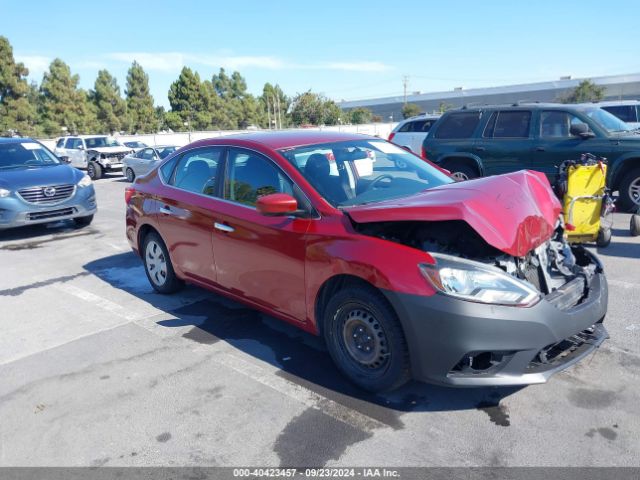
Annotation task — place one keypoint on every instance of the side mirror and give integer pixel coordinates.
(277, 204)
(80, 147)
(64, 159)
(581, 130)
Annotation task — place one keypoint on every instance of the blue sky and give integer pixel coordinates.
(344, 49)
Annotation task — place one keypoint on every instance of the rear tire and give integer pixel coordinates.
(94, 170)
(158, 266)
(634, 225)
(604, 237)
(365, 339)
(630, 191)
(131, 176)
(462, 171)
(83, 221)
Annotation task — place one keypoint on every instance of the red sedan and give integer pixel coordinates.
(404, 272)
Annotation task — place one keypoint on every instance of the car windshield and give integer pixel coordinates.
(98, 142)
(363, 171)
(135, 144)
(25, 155)
(164, 152)
(606, 120)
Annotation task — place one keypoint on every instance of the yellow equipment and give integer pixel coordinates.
(588, 207)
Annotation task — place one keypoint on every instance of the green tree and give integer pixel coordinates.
(188, 99)
(310, 108)
(586, 91)
(360, 115)
(17, 109)
(443, 107)
(410, 110)
(139, 101)
(65, 107)
(276, 106)
(111, 109)
(241, 109)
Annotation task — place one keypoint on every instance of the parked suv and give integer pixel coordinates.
(488, 140)
(411, 132)
(96, 154)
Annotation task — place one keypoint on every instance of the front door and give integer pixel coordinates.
(146, 160)
(76, 153)
(260, 258)
(555, 144)
(186, 213)
(505, 144)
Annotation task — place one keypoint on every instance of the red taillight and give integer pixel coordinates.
(391, 135)
(423, 153)
(128, 194)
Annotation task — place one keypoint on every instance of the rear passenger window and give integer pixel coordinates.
(406, 127)
(166, 170)
(458, 125)
(626, 113)
(508, 124)
(196, 171)
(60, 143)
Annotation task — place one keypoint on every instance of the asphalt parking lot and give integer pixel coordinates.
(95, 369)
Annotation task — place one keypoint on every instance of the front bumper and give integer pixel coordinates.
(525, 345)
(14, 212)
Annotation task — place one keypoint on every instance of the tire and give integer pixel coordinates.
(604, 237)
(630, 191)
(83, 221)
(351, 316)
(94, 170)
(131, 176)
(157, 265)
(462, 171)
(634, 225)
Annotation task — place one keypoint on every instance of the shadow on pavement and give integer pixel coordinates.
(300, 357)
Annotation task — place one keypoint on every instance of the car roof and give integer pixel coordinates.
(613, 103)
(17, 140)
(287, 139)
(423, 116)
(524, 106)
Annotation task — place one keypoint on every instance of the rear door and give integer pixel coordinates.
(187, 212)
(419, 130)
(506, 141)
(555, 144)
(146, 161)
(260, 258)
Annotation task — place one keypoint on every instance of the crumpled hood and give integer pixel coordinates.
(515, 213)
(111, 149)
(15, 179)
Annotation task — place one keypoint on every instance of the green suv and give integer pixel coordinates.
(489, 140)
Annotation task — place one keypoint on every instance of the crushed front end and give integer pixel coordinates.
(481, 337)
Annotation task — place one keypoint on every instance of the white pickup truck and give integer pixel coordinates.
(96, 154)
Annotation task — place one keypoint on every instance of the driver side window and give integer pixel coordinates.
(197, 170)
(557, 124)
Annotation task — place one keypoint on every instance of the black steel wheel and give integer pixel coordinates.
(365, 339)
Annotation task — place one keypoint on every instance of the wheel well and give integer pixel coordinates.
(331, 286)
(462, 161)
(142, 233)
(627, 166)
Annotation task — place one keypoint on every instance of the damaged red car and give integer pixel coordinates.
(404, 272)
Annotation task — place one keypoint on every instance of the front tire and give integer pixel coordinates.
(634, 225)
(94, 170)
(365, 339)
(630, 191)
(131, 176)
(604, 238)
(158, 266)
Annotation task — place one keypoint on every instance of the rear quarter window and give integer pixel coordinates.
(626, 113)
(458, 125)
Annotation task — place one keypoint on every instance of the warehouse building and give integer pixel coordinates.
(617, 87)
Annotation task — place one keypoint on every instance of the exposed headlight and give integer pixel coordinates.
(85, 181)
(4, 192)
(477, 282)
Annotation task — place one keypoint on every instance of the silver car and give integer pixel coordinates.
(143, 161)
(36, 187)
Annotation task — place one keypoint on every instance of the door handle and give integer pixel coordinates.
(166, 210)
(223, 228)
(479, 149)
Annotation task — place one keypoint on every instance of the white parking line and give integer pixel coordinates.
(623, 284)
(98, 301)
(267, 377)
